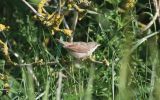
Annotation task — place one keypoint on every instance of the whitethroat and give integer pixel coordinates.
(79, 50)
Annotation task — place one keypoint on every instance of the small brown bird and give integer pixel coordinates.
(80, 50)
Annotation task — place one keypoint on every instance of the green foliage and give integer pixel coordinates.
(133, 55)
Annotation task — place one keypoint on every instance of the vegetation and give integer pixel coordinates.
(34, 66)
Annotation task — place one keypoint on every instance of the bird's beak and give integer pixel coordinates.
(98, 45)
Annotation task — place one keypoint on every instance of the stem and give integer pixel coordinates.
(58, 93)
(32, 8)
(75, 19)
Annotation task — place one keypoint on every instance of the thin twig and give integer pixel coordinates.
(140, 41)
(35, 63)
(157, 6)
(30, 70)
(59, 9)
(105, 61)
(151, 22)
(58, 93)
(74, 24)
(41, 95)
(113, 78)
(95, 61)
(159, 11)
(154, 18)
(154, 56)
(32, 8)
(65, 23)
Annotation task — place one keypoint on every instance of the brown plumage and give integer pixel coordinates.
(80, 50)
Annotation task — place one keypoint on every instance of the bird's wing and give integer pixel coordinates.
(80, 48)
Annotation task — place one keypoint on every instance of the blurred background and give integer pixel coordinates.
(33, 66)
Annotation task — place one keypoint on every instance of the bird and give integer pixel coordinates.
(80, 50)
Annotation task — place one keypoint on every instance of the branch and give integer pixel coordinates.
(58, 93)
(151, 22)
(39, 63)
(105, 61)
(38, 14)
(4, 48)
(74, 23)
(155, 16)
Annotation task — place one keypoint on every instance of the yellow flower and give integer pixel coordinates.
(3, 27)
(6, 85)
(41, 5)
(69, 6)
(6, 53)
(3, 77)
(129, 4)
(6, 88)
(67, 32)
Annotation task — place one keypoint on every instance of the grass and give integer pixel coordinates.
(133, 55)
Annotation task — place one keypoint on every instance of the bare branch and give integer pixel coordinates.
(39, 63)
(155, 16)
(32, 8)
(58, 93)
(74, 24)
(151, 22)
